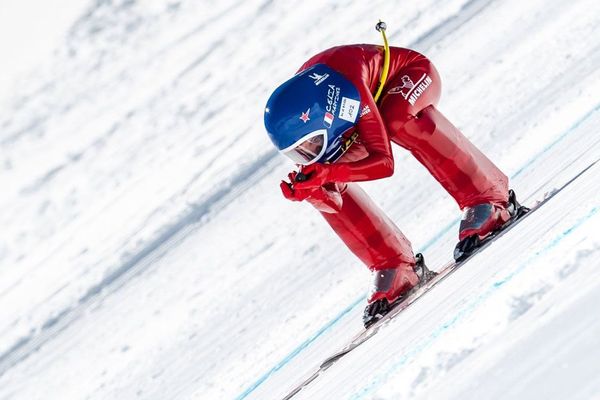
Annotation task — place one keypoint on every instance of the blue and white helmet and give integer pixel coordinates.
(307, 116)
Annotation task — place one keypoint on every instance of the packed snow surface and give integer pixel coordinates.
(146, 252)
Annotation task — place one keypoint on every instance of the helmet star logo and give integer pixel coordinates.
(304, 117)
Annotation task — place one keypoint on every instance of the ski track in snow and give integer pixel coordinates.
(146, 251)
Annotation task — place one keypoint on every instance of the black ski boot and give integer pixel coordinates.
(376, 310)
(478, 216)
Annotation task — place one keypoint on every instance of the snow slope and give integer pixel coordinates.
(146, 251)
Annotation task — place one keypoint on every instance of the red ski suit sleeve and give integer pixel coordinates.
(361, 64)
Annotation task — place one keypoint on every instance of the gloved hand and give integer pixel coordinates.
(291, 192)
(319, 174)
(329, 201)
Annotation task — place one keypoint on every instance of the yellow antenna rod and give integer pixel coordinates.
(381, 27)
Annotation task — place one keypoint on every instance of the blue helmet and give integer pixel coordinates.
(307, 116)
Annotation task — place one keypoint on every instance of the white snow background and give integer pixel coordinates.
(146, 252)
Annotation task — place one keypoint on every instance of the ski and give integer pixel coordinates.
(420, 290)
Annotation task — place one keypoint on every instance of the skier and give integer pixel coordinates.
(326, 119)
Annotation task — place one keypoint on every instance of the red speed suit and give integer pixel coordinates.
(406, 114)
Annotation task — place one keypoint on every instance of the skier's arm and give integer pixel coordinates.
(373, 135)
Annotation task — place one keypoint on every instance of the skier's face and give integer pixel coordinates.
(308, 150)
(311, 148)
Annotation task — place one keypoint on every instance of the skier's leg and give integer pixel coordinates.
(461, 168)
(376, 241)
